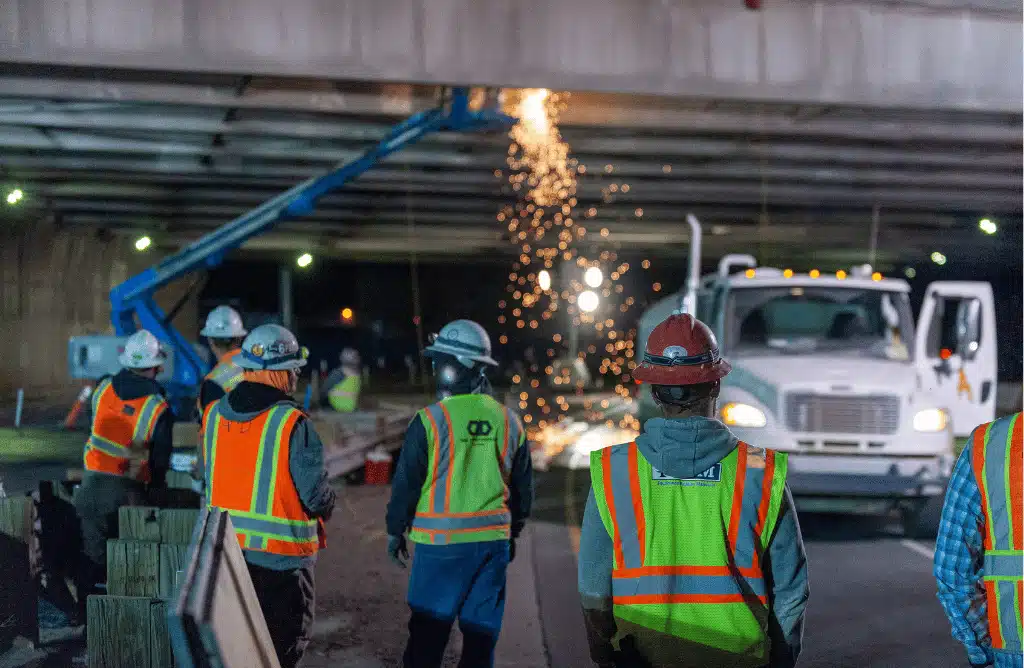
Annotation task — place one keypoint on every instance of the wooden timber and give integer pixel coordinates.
(139, 523)
(133, 568)
(127, 632)
(172, 560)
(177, 524)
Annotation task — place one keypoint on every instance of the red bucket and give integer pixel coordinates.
(378, 468)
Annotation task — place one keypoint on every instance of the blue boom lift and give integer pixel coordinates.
(132, 302)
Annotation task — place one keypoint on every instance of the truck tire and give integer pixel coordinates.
(921, 520)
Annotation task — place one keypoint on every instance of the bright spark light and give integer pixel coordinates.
(588, 301)
(533, 112)
(544, 280)
(593, 277)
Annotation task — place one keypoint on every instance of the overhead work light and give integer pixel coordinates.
(304, 260)
(15, 196)
(987, 226)
(142, 243)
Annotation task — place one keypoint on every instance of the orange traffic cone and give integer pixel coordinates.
(76, 409)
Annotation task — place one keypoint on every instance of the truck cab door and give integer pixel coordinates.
(955, 351)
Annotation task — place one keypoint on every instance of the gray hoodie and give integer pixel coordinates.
(683, 448)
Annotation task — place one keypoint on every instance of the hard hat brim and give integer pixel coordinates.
(281, 366)
(459, 353)
(126, 362)
(234, 334)
(681, 375)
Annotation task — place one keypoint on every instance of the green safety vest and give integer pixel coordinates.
(471, 443)
(997, 459)
(687, 553)
(344, 396)
(227, 374)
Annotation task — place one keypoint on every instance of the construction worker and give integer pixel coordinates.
(224, 332)
(343, 384)
(265, 467)
(690, 551)
(463, 489)
(979, 553)
(129, 447)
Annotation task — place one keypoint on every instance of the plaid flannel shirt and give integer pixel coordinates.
(958, 562)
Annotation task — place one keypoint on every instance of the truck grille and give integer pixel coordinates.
(874, 414)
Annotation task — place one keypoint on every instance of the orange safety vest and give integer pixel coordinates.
(247, 475)
(997, 458)
(225, 374)
(121, 431)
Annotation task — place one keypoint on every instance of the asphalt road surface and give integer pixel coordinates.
(872, 603)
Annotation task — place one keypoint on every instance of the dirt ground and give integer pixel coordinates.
(361, 612)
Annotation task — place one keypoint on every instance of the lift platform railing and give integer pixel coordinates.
(132, 303)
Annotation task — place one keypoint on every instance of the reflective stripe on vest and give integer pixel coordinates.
(475, 437)
(121, 431)
(676, 598)
(264, 505)
(997, 459)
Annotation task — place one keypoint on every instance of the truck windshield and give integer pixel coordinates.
(795, 320)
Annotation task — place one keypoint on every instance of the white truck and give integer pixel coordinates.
(833, 370)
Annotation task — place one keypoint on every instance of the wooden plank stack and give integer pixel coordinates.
(127, 627)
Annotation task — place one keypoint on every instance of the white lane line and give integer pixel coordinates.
(914, 546)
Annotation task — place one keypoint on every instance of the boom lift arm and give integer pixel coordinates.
(132, 303)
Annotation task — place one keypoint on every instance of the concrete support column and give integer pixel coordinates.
(285, 296)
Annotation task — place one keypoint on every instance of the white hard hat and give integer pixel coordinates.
(223, 323)
(271, 347)
(465, 340)
(350, 356)
(141, 351)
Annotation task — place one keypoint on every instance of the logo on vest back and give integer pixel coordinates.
(479, 428)
(713, 474)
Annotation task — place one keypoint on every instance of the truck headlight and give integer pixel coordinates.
(743, 415)
(931, 419)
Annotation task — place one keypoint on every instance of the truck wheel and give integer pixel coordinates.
(921, 520)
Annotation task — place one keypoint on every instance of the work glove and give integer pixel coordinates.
(397, 550)
(511, 550)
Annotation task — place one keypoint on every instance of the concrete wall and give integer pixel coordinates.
(55, 284)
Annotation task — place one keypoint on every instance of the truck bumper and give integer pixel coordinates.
(866, 486)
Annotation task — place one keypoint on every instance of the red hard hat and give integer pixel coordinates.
(681, 351)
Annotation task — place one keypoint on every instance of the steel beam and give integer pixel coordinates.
(592, 112)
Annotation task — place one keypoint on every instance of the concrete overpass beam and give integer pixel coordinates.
(926, 54)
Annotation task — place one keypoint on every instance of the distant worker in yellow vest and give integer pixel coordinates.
(690, 551)
(979, 552)
(345, 382)
(462, 489)
(129, 447)
(265, 467)
(224, 332)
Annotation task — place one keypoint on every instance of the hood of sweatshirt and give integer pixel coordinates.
(685, 447)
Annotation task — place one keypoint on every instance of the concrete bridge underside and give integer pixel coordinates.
(938, 54)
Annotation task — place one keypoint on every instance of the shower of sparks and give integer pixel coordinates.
(557, 262)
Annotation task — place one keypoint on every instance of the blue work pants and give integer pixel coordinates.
(464, 581)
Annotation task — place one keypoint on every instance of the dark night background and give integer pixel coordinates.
(381, 296)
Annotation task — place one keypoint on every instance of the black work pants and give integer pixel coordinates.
(287, 599)
(96, 503)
